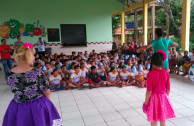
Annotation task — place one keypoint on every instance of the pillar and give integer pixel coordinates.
(122, 28)
(145, 22)
(186, 12)
(153, 22)
(135, 28)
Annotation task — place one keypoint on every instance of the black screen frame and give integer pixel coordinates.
(85, 39)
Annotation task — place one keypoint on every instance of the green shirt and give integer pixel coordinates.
(162, 43)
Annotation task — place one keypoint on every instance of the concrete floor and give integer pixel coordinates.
(112, 106)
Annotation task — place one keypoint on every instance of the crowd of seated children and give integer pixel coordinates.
(96, 69)
(176, 60)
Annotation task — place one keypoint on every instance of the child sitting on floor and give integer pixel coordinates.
(84, 72)
(55, 81)
(72, 71)
(186, 62)
(129, 64)
(113, 77)
(101, 72)
(125, 77)
(94, 79)
(75, 79)
(65, 74)
(140, 78)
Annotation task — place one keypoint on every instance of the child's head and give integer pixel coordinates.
(180, 51)
(100, 65)
(67, 62)
(73, 65)
(57, 64)
(112, 64)
(93, 69)
(157, 60)
(173, 50)
(36, 60)
(63, 68)
(129, 62)
(77, 69)
(73, 53)
(121, 64)
(47, 64)
(82, 65)
(185, 53)
(37, 65)
(113, 69)
(119, 60)
(58, 68)
(99, 56)
(55, 72)
(52, 62)
(93, 63)
(140, 62)
(36, 56)
(124, 67)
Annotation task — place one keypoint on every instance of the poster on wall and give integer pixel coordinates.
(53, 35)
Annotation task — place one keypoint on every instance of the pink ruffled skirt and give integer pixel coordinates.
(159, 108)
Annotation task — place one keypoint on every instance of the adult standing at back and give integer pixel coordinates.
(41, 47)
(160, 43)
(18, 42)
(5, 56)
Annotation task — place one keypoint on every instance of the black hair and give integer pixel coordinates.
(73, 64)
(36, 64)
(112, 68)
(18, 37)
(93, 67)
(77, 66)
(81, 64)
(111, 63)
(63, 66)
(157, 60)
(74, 57)
(139, 62)
(52, 60)
(73, 52)
(2, 40)
(159, 32)
(54, 71)
(56, 64)
(47, 63)
(36, 59)
(120, 65)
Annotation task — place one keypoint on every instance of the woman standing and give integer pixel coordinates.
(160, 43)
(31, 105)
(41, 47)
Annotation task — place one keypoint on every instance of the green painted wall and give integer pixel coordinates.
(96, 14)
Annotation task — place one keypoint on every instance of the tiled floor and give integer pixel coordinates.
(112, 106)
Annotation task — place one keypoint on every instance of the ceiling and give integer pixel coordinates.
(128, 3)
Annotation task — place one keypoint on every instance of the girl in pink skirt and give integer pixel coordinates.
(157, 105)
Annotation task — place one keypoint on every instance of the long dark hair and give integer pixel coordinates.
(157, 60)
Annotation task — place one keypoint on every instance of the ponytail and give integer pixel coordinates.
(29, 56)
